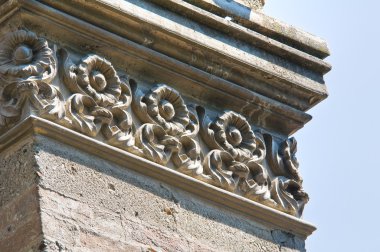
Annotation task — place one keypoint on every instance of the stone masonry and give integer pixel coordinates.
(153, 126)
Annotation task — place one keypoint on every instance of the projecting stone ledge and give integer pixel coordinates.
(126, 126)
(68, 199)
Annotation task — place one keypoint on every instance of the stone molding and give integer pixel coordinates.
(271, 218)
(97, 103)
(260, 23)
(117, 80)
(251, 81)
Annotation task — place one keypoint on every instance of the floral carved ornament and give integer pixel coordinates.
(168, 131)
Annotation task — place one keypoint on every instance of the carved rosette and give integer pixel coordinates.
(164, 107)
(235, 161)
(27, 67)
(232, 133)
(95, 77)
(24, 56)
(97, 103)
(100, 100)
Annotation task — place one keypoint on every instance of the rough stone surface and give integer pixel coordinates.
(88, 204)
(20, 222)
(84, 203)
(254, 4)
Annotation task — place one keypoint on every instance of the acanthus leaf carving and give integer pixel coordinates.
(49, 102)
(99, 104)
(155, 144)
(120, 132)
(188, 158)
(286, 188)
(84, 114)
(289, 196)
(282, 157)
(258, 187)
(223, 169)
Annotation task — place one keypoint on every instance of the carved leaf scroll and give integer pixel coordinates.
(289, 196)
(258, 187)
(27, 67)
(282, 157)
(85, 116)
(224, 171)
(188, 158)
(98, 103)
(155, 144)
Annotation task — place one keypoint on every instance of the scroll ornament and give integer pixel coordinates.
(164, 107)
(287, 186)
(235, 161)
(27, 68)
(99, 103)
(100, 100)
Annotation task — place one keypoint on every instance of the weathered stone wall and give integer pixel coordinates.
(20, 222)
(88, 204)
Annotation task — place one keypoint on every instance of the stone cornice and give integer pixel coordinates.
(201, 96)
(258, 39)
(265, 111)
(265, 25)
(34, 126)
(87, 94)
(252, 70)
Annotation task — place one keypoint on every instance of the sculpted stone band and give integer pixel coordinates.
(90, 97)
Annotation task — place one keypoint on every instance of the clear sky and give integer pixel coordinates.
(339, 149)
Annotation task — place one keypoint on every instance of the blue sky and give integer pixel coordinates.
(338, 150)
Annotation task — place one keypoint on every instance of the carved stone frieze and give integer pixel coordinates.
(90, 97)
